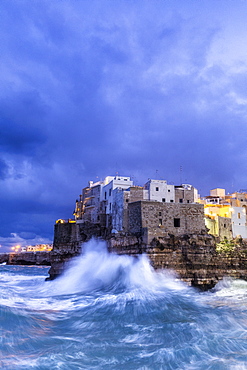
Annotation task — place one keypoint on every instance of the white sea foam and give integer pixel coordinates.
(109, 311)
(96, 269)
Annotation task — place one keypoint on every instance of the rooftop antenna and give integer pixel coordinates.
(116, 169)
(132, 177)
(181, 170)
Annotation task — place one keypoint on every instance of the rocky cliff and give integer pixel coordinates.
(4, 257)
(194, 257)
(26, 258)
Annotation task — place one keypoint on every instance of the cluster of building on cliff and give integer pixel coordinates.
(158, 209)
(225, 214)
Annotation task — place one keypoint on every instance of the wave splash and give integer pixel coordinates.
(98, 270)
(116, 312)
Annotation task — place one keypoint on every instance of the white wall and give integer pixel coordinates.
(239, 222)
(196, 195)
(118, 182)
(160, 191)
(117, 209)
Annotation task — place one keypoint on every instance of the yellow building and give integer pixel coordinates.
(213, 210)
(218, 219)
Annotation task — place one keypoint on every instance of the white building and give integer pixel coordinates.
(117, 182)
(106, 202)
(238, 217)
(96, 198)
(160, 191)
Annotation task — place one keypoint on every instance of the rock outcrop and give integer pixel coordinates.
(194, 257)
(4, 257)
(26, 258)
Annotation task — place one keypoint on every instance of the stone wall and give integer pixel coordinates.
(136, 194)
(183, 195)
(135, 218)
(121, 200)
(174, 218)
(225, 227)
(65, 234)
(68, 241)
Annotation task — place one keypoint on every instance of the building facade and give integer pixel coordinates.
(160, 219)
(225, 214)
(159, 191)
(169, 208)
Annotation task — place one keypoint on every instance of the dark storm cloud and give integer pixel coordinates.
(93, 88)
(20, 118)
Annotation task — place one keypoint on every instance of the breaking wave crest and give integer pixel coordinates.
(97, 269)
(115, 312)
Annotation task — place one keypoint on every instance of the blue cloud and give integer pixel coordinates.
(93, 88)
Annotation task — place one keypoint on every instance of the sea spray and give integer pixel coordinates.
(115, 312)
(97, 269)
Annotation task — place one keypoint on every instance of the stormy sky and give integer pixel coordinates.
(90, 88)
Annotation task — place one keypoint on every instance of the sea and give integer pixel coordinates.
(116, 312)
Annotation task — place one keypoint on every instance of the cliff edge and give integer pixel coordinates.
(196, 258)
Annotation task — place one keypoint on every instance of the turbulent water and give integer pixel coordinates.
(116, 312)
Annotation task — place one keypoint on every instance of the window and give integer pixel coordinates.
(171, 200)
(127, 200)
(176, 222)
(163, 200)
(169, 190)
(188, 201)
(224, 225)
(239, 215)
(110, 206)
(160, 214)
(157, 189)
(160, 221)
(180, 200)
(105, 194)
(109, 192)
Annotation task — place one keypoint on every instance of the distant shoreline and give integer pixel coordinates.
(26, 258)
